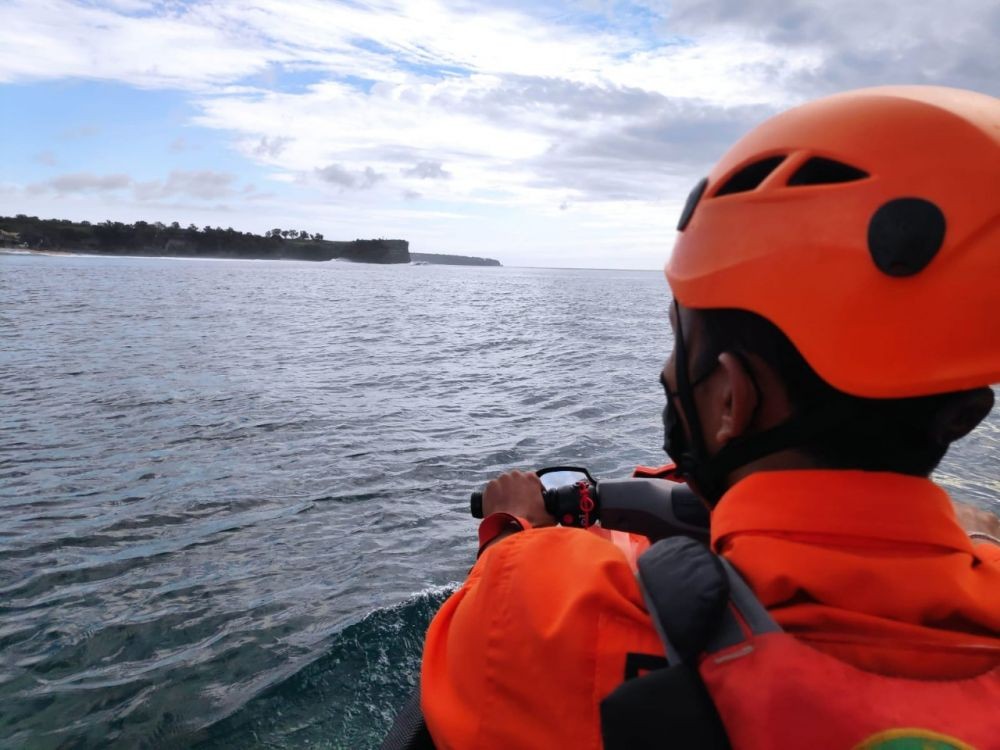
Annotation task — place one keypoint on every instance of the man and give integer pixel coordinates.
(835, 322)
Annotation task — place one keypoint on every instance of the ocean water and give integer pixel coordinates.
(233, 493)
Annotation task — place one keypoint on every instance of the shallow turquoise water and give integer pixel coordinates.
(232, 493)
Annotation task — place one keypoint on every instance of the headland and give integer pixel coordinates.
(173, 240)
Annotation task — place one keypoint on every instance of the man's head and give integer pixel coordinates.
(747, 380)
(836, 278)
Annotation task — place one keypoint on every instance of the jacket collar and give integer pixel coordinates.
(844, 506)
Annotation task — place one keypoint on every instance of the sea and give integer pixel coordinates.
(233, 493)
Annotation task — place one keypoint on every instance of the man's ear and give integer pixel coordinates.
(740, 399)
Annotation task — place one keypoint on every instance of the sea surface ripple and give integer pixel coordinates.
(232, 493)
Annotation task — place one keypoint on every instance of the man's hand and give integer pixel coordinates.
(520, 494)
(976, 520)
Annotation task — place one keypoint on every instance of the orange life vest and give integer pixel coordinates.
(771, 690)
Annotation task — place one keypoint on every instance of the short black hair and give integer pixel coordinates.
(902, 435)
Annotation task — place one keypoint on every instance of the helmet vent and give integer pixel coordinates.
(750, 176)
(904, 235)
(820, 171)
(692, 203)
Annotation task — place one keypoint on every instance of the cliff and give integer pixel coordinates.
(452, 260)
(142, 238)
(359, 251)
(376, 251)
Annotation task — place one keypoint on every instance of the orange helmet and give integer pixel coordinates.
(865, 226)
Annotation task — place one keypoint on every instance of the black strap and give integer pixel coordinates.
(664, 708)
(744, 603)
(409, 731)
(699, 604)
(796, 432)
(686, 590)
(697, 600)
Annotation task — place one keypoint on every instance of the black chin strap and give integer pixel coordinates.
(793, 433)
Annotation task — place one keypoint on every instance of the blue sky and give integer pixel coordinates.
(105, 126)
(541, 133)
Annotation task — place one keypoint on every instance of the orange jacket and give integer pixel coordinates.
(868, 567)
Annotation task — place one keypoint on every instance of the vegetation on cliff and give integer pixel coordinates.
(143, 238)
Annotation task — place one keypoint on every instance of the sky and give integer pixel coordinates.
(540, 133)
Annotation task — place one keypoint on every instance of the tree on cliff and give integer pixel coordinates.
(145, 238)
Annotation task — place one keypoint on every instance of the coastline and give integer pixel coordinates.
(159, 240)
(441, 260)
(125, 256)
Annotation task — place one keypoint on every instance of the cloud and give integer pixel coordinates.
(271, 147)
(179, 47)
(206, 185)
(648, 157)
(513, 98)
(46, 158)
(427, 170)
(130, 6)
(251, 193)
(396, 86)
(862, 42)
(82, 182)
(226, 41)
(335, 174)
(505, 139)
(203, 184)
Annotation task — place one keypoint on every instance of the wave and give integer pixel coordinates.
(348, 697)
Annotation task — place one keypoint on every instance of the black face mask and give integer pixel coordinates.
(675, 439)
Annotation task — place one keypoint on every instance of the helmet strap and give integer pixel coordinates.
(795, 432)
(696, 463)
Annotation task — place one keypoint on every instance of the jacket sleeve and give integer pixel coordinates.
(521, 655)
